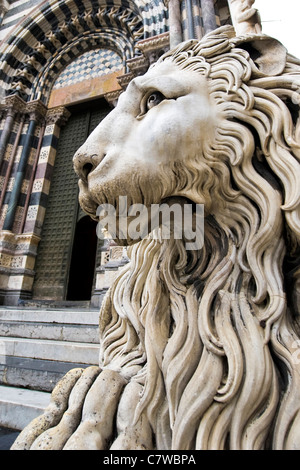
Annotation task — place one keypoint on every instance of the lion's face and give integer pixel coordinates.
(140, 150)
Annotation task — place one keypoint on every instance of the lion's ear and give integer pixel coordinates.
(268, 54)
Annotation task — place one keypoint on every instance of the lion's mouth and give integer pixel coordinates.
(130, 218)
(90, 205)
(87, 203)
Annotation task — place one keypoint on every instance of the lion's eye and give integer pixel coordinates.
(154, 99)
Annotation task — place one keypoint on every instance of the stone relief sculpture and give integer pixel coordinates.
(199, 349)
(245, 18)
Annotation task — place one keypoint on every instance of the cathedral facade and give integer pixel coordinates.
(63, 65)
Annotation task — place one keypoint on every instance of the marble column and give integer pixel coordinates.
(11, 161)
(208, 15)
(13, 202)
(190, 22)
(35, 109)
(175, 28)
(11, 106)
(6, 133)
(197, 20)
(33, 215)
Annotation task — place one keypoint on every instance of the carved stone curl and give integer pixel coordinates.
(200, 348)
(246, 19)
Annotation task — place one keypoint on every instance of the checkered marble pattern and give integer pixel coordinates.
(91, 64)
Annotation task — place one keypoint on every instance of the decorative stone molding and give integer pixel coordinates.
(152, 48)
(15, 248)
(123, 80)
(112, 97)
(17, 259)
(138, 65)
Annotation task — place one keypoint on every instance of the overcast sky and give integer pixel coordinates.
(281, 19)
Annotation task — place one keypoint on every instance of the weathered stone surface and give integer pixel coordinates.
(194, 343)
(39, 346)
(19, 406)
(245, 18)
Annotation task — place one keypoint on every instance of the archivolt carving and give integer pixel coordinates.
(120, 28)
(47, 31)
(198, 349)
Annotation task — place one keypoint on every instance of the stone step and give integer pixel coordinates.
(37, 347)
(20, 406)
(34, 374)
(65, 351)
(65, 304)
(62, 325)
(65, 316)
(50, 331)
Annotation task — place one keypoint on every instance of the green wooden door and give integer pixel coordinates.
(52, 270)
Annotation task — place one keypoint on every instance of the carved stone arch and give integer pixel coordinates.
(110, 39)
(45, 34)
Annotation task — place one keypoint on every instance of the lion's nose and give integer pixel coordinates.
(85, 163)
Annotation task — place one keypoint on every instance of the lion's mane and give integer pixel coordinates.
(213, 335)
(201, 349)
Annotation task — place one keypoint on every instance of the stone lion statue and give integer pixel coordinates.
(199, 349)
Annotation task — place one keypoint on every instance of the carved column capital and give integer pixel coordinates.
(58, 115)
(14, 104)
(36, 110)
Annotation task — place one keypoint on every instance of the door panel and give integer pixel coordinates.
(56, 246)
